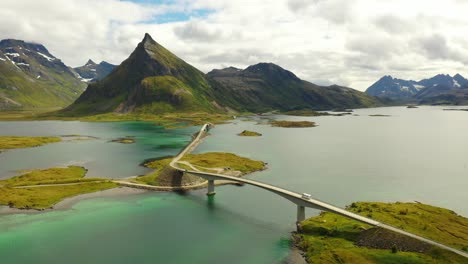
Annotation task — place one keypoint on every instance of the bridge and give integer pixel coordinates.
(296, 198)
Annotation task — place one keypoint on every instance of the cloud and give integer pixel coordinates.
(197, 30)
(346, 42)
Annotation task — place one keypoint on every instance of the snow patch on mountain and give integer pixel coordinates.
(45, 56)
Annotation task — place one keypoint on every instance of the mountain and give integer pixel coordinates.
(92, 72)
(266, 86)
(394, 88)
(440, 88)
(31, 77)
(151, 80)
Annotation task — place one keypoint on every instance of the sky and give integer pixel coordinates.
(350, 43)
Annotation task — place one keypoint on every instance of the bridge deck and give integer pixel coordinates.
(297, 198)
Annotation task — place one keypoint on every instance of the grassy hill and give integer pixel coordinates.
(330, 238)
(30, 77)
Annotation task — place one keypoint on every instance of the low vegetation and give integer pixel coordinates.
(124, 140)
(312, 113)
(168, 120)
(247, 133)
(14, 142)
(329, 238)
(25, 191)
(45, 197)
(289, 124)
(157, 165)
(71, 174)
(212, 160)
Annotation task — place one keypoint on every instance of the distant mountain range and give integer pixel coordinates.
(92, 72)
(31, 77)
(436, 90)
(154, 80)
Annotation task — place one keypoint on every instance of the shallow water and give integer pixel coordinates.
(415, 154)
(101, 157)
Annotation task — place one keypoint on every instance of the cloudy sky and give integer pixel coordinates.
(351, 43)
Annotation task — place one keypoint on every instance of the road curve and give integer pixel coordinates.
(297, 198)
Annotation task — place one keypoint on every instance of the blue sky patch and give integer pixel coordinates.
(172, 16)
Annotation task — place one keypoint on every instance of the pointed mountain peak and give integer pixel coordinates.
(458, 76)
(148, 39)
(90, 63)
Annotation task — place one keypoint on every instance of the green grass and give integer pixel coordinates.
(289, 124)
(14, 142)
(124, 140)
(203, 162)
(47, 196)
(330, 238)
(432, 222)
(41, 197)
(306, 112)
(157, 166)
(223, 160)
(168, 120)
(247, 133)
(55, 89)
(70, 174)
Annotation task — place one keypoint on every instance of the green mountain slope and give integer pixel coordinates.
(30, 77)
(266, 86)
(151, 80)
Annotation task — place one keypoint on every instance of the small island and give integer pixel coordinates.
(247, 133)
(292, 124)
(41, 189)
(330, 238)
(16, 142)
(379, 115)
(124, 140)
(411, 106)
(213, 162)
(313, 113)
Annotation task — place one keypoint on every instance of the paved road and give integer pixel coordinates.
(297, 198)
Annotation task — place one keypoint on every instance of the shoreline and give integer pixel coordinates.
(68, 203)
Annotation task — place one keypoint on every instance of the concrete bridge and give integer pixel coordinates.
(296, 198)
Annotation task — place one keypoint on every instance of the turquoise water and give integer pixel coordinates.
(101, 157)
(414, 154)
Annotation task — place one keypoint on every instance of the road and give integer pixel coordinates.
(297, 198)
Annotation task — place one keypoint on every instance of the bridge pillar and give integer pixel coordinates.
(211, 188)
(300, 214)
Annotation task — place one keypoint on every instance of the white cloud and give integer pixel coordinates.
(351, 43)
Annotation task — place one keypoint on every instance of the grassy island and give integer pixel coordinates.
(124, 140)
(221, 160)
(283, 123)
(14, 142)
(313, 113)
(214, 162)
(247, 133)
(329, 238)
(157, 165)
(40, 189)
